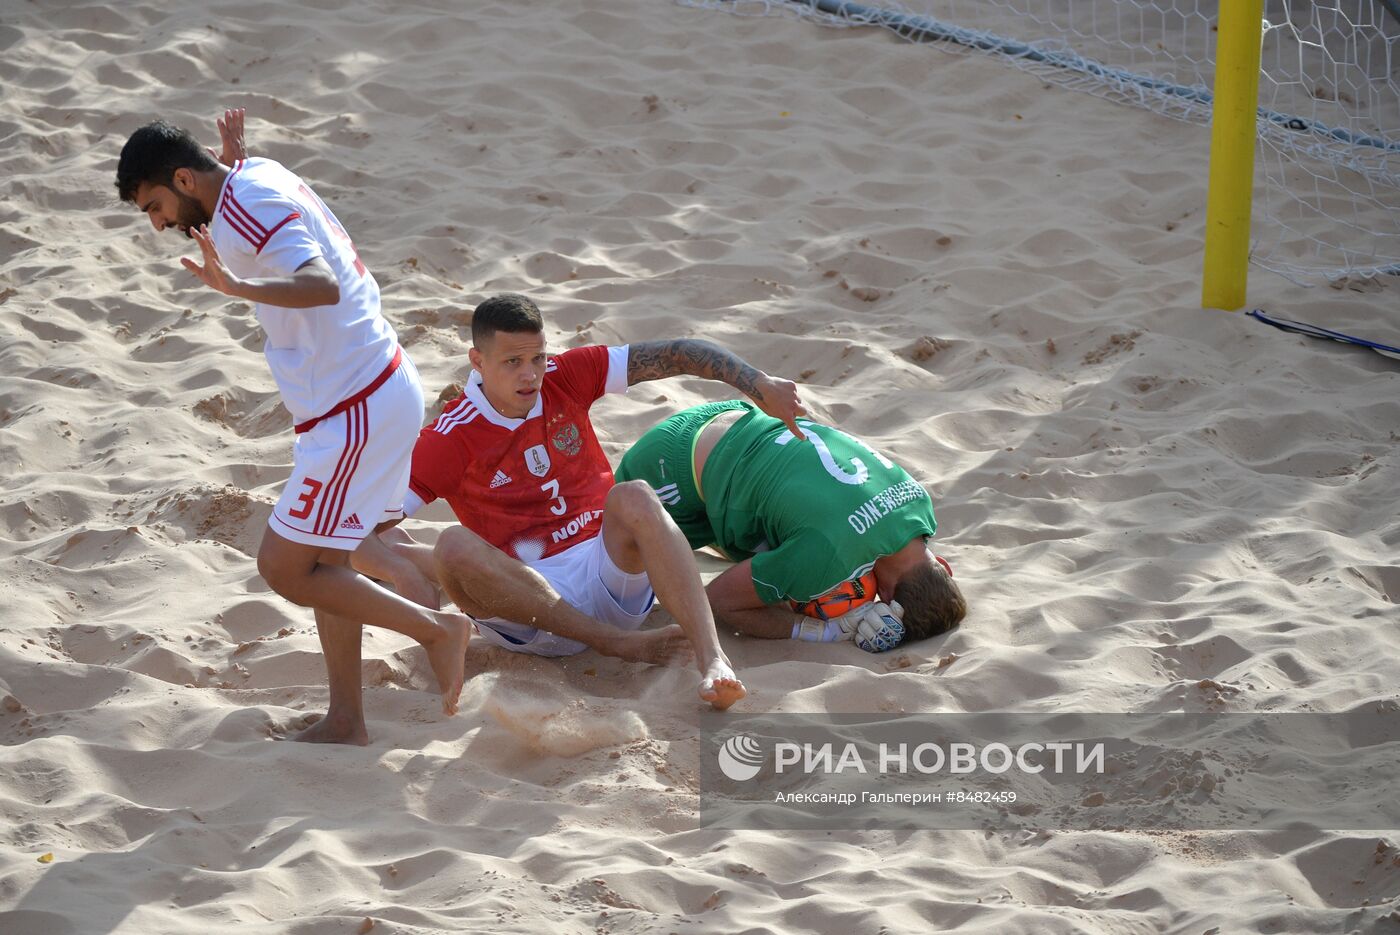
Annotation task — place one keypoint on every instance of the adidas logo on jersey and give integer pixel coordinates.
(500, 480)
(353, 522)
(669, 494)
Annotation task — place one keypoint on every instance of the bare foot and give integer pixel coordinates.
(667, 646)
(335, 730)
(720, 686)
(447, 655)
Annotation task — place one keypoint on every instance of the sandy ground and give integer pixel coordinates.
(1151, 507)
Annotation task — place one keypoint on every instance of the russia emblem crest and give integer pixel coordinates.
(568, 440)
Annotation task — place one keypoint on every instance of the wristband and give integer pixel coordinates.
(816, 631)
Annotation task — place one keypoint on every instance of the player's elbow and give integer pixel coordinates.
(318, 284)
(330, 292)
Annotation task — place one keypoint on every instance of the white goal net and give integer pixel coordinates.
(1327, 179)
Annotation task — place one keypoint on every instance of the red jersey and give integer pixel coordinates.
(532, 487)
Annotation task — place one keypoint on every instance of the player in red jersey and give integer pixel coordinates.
(517, 459)
(266, 237)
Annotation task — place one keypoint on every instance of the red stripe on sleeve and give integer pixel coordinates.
(276, 227)
(244, 214)
(238, 227)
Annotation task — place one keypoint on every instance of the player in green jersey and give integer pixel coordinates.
(801, 515)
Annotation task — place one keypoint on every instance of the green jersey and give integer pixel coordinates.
(811, 514)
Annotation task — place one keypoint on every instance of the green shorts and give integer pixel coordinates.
(665, 459)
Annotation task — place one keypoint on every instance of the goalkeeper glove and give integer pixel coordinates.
(875, 627)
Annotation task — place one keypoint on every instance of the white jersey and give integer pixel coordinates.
(269, 223)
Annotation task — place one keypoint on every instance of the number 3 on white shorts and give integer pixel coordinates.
(861, 473)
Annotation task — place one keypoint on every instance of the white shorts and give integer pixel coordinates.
(350, 471)
(585, 577)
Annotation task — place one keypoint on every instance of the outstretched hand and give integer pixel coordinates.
(779, 398)
(213, 273)
(231, 136)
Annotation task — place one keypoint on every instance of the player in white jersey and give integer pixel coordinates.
(353, 394)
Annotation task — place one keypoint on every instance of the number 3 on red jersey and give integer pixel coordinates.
(558, 507)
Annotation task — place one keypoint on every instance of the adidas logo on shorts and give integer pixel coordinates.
(353, 522)
(500, 480)
(669, 494)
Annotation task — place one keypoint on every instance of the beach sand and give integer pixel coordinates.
(1151, 507)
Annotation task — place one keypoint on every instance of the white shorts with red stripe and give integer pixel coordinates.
(350, 471)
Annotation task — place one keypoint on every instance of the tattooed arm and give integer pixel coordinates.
(654, 360)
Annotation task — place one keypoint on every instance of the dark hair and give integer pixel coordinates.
(152, 155)
(506, 312)
(932, 602)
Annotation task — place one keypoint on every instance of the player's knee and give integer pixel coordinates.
(461, 551)
(284, 579)
(634, 502)
(933, 603)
